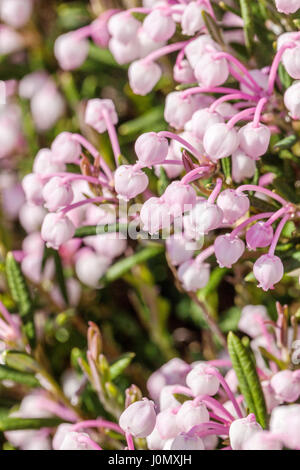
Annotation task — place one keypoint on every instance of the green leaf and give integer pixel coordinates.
(284, 77)
(248, 23)
(286, 143)
(248, 379)
(285, 189)
(120, 365)
(6, 373)
(180, 397)
(21, 295)
(226, 167)
(14, 424)
(142, 123)
(20, 361)
(118, 269)
(213, 29)
(91, 230)
(163, 181)
(60, 277)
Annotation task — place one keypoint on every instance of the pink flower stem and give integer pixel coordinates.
(259, 108)
(277, 234)
(241, 79)
(89, 441)
(233, 96)
(220, 363)
(194, 174)
(216, 191)
(129, 441)
(239, 65)
(259, 189)
(171, 135)
(70, 207)
(198, 89)
(112, 136)
(181, 390)
(275, 65)
(213, 404)
(276, 216)
(177, 46)
(210, 426)
(94, 152)
(217, 418)
(179, 58)
(97, 423)
(7, 316)
(57, 409)
(227, 389)
(68, 177)
(205, 254)
(251, 219)
(83, 32)
(243, 115)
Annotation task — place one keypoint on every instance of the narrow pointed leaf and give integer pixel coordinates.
(6, 373)
(120, 365)
(14, 424)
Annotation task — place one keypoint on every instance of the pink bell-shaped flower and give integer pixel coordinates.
(211, 72)
(124, 53)
(228, 250)
(220, 141)
(286, 385)
(268, 270)
(263, 440)
(285, 421)
(16, 13)
(139, 418)
(201, 382)
(151, 149)
(193, 275)
(259, 235)
(76, 441)
(155, 215)
(130, 181)
(57, 194)
(178, 110)
(33, 186)
(204, 217)
(287, 6)
(70, 51)
(202, 120)
(123, 27)
(94, 114)
(183, 72)
(56, 230)
(179, 198)
(44, 164)
(242, 166)
(196, 48)
(252, 319)
(65, 149)
(166, 424)
(185, 441)
(191, 414)
(292, 100)
(192, 19)
(159, 26)
(47, 106)
(178, 249)
(254, 141)
(241, 430)
(233, 205)
(143, 76)
(90, 267)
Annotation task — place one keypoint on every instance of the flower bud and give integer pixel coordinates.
(192, 19)
(254, 141)
(123, 27)
(139, 418)
(32, 267)
(154, 440)
(155, 215)
(57, 194)
(259, 235)
(178, 110)
(70, 52)
(61, 432)
(31, 217)
(183, 72)
(130, 181)
(15, 13)
(178, 249)
(10, 40)
(94, 114)
(75, 441)
(242, 166)
(124, 53)
(56, 230)
(110, 245)
(202, 383)
(193, 275)
(268, 270)
(250, 319)
(202, 120)
(186, 442)
(286, 385)
(211, 72)
(292, 100)
(65, 149)
(151, 149)
(191, 414)
(263, 440)
(196, 48)
(285, 421)
(143, 76)
(146, 44)
(47, 106)
(91, 267)
(291, 61)
(166, 424)
(31, 83)
(233, 205)
(203, 218)
(44, 164)
(241, 430)
(167, 398)
(287, 6)
(220, 141)
(159, 26)
(228, 250)
(33, 187)
(179, 198)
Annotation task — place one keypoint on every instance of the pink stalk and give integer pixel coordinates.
(268, 338)
(57, 409)
(253, 187)
(275, 65)
(210, 426)
(216, 191)
(164, 51)
(220, 363)
(205, 254)
(223, 99)
(68, 177)
(194, 174)
(244, 224)
(179, 58)
(97, 423)
(70, 207)
(83, 32)
(7, 316)
(180, 389)
(94, 152)
(239, 65)
(90, 442)
(199, 89)
(276, 216)
(218, 418)
(258, 111)
(227, 389)
(277, 234)
(112, 136)
(171, 135)
(243, 115)
(129, 441)
(213, 404)
(241, 79)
